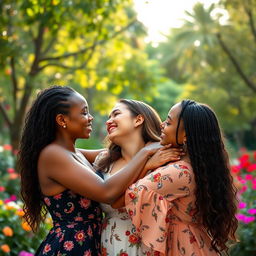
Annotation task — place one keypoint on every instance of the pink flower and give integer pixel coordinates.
(47, 248)
(47, 201)
(243, 189)
(240, 217)
(248, 177)
(10, 170)
(80, 236)
(241, 205)
(252, 211)
(89, 232)
(13, 198)
(68, 245)
(2, 189)
(24, 253)
(249, 219)
(87, 253)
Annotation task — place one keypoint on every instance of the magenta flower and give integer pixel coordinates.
(247, 219)
(248, 177)
(252, 211)
(240, 217)
(241, 205)
(24, 253)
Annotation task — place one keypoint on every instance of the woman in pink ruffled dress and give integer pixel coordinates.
(187, 207)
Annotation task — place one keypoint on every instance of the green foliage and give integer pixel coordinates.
(213, 56)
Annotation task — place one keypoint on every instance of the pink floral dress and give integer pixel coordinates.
(162, 207)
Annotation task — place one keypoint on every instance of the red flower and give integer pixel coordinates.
(235, 169)
(157, 177)
(80, 236)
(127, 233)
(57, 197)
(123, 254)
(85, 203)
(68, 245)
(133, 239)
(183, 166)
(7, 147)
(251, 168)
(130, 212)
(132, 195)
(47, 248)
(103, 251)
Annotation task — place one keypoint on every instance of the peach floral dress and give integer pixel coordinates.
(162, 207)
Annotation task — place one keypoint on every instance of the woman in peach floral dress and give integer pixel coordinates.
(187, 207)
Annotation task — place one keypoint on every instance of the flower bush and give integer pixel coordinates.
(16, 237)
(244, 172)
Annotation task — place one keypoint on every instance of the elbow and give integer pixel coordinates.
(109, 197)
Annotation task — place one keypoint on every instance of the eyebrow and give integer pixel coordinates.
(85, 108)
(169, 117)
(112, 112)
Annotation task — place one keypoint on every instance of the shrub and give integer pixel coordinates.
(244, 172)
(16, 237)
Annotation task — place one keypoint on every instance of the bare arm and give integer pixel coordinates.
(61, 167)
(162, 156)
(90, 155)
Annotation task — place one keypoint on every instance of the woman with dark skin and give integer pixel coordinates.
(187, 207)
(54, 173)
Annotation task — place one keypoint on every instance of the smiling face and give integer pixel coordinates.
(169, 128)
(121, 122)
(79, 120)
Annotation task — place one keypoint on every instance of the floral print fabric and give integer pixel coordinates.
(118, 236)
(162, 207)
(76, 226)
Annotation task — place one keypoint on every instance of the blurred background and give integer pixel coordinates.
(157, 51)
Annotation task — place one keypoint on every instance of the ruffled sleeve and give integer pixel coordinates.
(149, 200)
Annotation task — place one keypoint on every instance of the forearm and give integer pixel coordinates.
(120, 202)
(118, 182)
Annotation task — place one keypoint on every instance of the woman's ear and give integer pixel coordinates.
(139, 119)
(61, 120)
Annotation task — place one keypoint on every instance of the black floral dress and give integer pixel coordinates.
(76, 226)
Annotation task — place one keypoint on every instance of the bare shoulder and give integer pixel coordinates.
(53, 153)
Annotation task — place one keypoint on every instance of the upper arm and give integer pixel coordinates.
(90, 155)
(61, 167)
(171, 181)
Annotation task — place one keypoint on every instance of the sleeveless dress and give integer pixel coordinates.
(76, 226)
(118, 237)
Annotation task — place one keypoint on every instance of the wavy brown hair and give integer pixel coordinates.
(216, 201)
(150, 131)
(39, 131)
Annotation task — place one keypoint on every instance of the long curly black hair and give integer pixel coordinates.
(150, 131)
(216, 201)
(38, 132)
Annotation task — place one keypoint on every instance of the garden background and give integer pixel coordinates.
(99, 48)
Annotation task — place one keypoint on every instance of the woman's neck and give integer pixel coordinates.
(129, 149)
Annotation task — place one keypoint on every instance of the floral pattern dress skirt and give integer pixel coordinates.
(76, 226)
